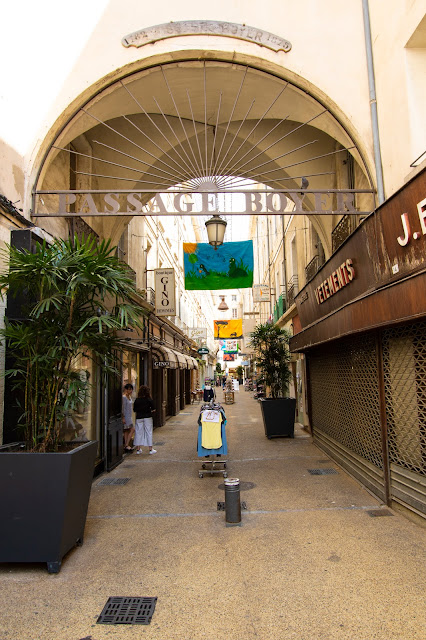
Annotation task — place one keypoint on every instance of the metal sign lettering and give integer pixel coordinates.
(407, 234)
(206, 28)
(161, 364)
(100, 202)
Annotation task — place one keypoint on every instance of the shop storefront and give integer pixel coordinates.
(172, 381)
(363, 332)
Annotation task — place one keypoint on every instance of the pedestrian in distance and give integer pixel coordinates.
(208, 393)
(143, 408)
(127, 416)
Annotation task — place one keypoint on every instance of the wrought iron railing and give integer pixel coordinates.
(341, 231)
(292, 289)
(313, 267)
(148, 295)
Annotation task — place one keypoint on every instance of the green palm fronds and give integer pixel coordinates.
(78, 294)
(270, 344)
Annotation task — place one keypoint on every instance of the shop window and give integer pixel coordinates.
(80, 425)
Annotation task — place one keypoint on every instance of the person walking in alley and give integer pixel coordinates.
(208, 393)
(143, 408)
(127, 416)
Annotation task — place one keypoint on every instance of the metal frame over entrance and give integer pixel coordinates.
(204, 127)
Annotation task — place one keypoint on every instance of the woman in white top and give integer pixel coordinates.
(127, 416)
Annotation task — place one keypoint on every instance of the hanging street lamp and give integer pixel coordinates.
(216, 230)
(223, 306)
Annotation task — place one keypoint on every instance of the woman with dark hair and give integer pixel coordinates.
(126, 415)
(143, 406)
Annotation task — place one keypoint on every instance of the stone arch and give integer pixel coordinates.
(107, 85)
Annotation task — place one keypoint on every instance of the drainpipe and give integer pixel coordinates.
(269, 267)
(284, 262)
(373, 103)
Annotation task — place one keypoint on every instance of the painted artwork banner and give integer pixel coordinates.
(230, 266)
(228, 345)
(228, 357)
(225, 329)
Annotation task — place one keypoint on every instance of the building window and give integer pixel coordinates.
(235, 313)
(234, 298)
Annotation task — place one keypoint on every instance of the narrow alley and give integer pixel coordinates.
(311, 560)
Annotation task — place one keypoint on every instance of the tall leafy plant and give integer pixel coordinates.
(270, 344)
(78, 295)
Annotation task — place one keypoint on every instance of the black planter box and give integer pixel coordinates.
(44, 499)
(278, 416)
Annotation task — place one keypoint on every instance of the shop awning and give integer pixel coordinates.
(182, 363)
(192, 363)
(163, 358)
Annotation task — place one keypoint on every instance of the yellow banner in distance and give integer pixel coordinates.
(225, 329)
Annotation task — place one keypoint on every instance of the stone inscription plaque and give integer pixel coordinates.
(206, 28)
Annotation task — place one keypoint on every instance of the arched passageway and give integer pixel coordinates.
(187, 122)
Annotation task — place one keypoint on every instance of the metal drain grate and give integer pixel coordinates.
(113, 481)
(377, 513)
(322, 472)
(122, 610)
(158, 444)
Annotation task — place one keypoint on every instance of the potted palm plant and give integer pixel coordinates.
(270, 344)
(77, 295)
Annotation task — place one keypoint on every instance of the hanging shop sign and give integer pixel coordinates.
(197, 333)
(339, 278)
(206, 28)
(165, 296)
(261, 293)
(203, 351)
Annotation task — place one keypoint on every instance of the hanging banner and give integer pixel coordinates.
(230, 266)
(261, 293)
(231, 345)
(165, 298)
(228, 357)
(224, 329)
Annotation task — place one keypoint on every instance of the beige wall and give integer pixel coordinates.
(48, 82)
(321, 34)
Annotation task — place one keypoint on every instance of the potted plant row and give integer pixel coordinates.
(270, 344)
(77, 295)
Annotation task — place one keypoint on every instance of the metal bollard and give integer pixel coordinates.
(232, 501)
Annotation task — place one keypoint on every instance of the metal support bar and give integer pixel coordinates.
(383, 421)
(133, 214)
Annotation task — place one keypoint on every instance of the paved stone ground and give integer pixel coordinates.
(308, 562)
